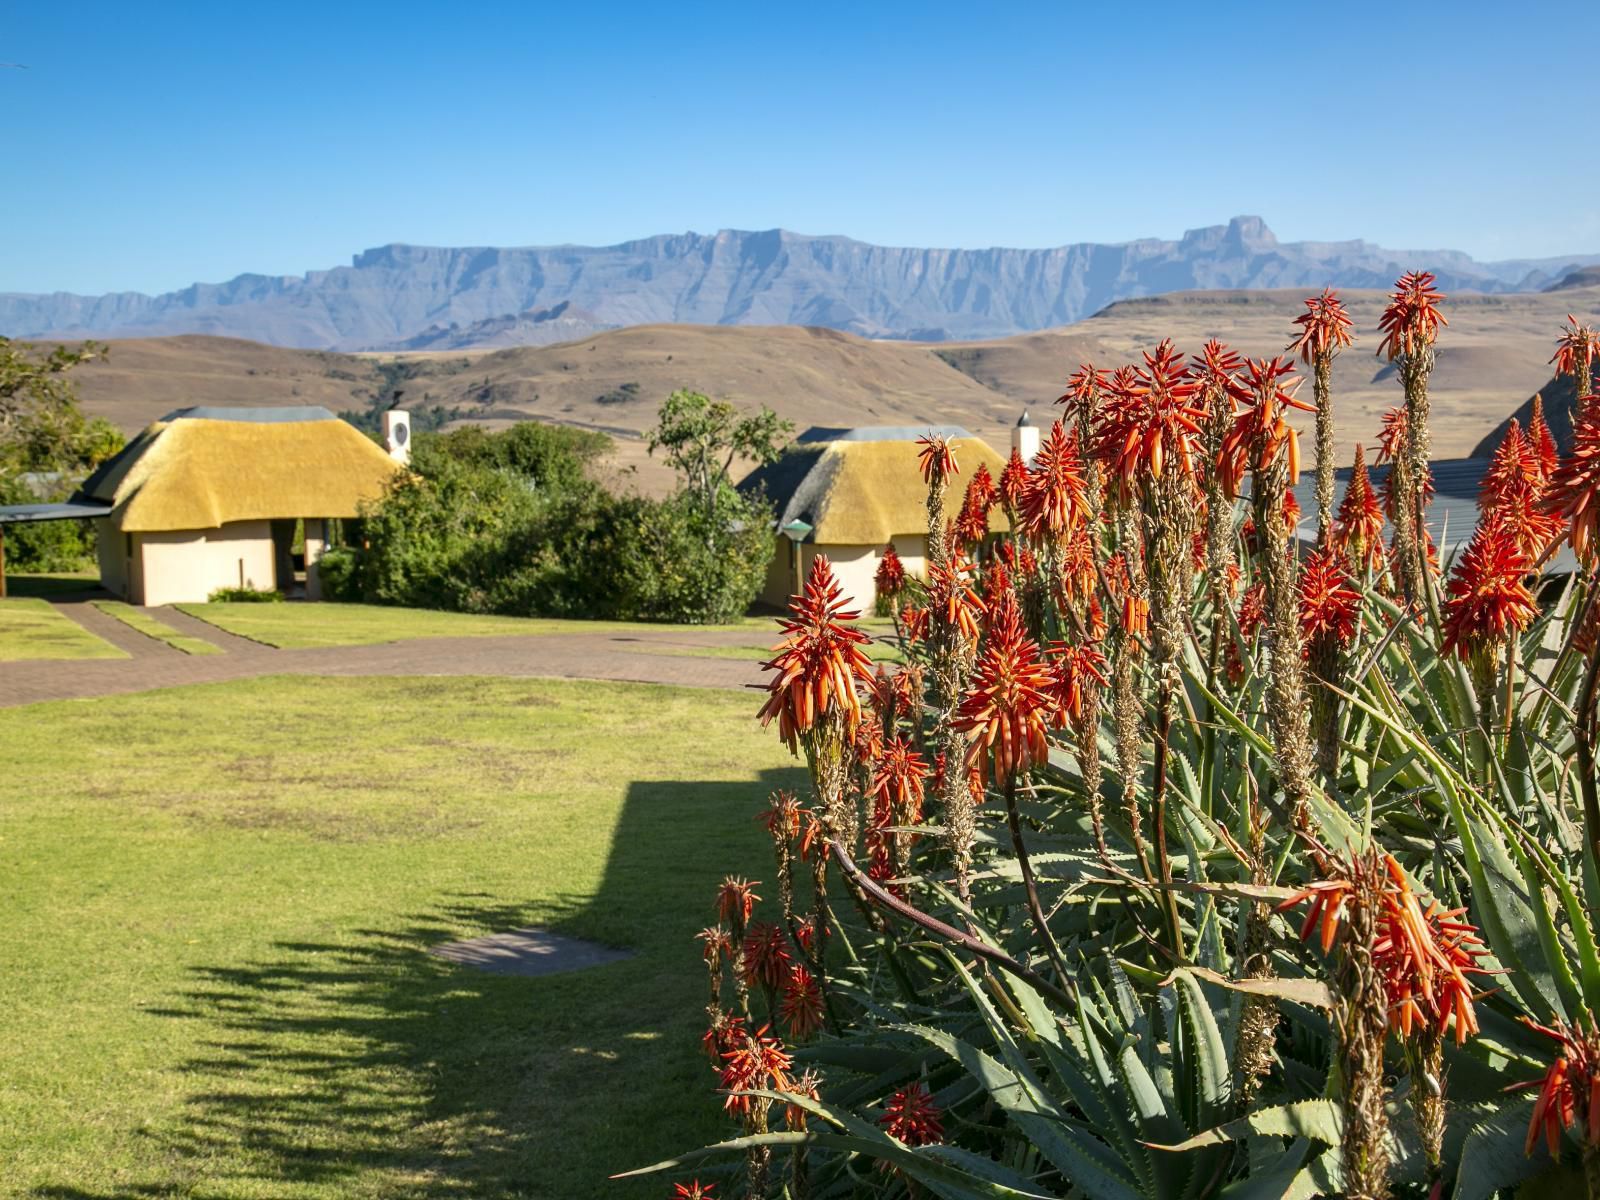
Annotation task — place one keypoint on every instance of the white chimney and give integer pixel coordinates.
(397, 434)
(1025, 438)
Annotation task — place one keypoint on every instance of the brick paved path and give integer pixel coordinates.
(644, 656)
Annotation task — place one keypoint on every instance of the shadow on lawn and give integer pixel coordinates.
(369, 1067)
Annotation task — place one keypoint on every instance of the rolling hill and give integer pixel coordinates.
(1493, 355)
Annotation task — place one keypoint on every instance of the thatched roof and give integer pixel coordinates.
(201, 468)
(860, 487)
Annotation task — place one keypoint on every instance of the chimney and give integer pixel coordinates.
(397, 435)
(1025, 438)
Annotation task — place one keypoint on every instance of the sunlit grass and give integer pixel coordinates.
(308, 626)
(218, 903)
(31, 629)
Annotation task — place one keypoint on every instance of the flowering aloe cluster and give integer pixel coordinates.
(1182, 853)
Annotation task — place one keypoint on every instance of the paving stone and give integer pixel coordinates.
(528, 952)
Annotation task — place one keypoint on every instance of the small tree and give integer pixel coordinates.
(40, 425)
(703, 437)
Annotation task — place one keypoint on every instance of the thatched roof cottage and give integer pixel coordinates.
(848, 493)
(209, 498)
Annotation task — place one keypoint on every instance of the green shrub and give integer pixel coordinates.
(338, 569)
(44, 546)
(245, 595)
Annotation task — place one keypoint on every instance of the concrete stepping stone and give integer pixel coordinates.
(528, 952)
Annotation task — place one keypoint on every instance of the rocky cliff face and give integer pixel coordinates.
(399, 295)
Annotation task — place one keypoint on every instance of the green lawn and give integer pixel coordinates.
(30, 628)
(218, 900)
(55, 584)
(293, 626)
(133, 618)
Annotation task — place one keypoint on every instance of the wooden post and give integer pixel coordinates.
(2, 562)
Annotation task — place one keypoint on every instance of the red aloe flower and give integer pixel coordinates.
(782, 817)
(1412, 319)
(1079, 571)
(1488, 594)
(1512, 491)
(891, 576)
(1073, 670)
(981, 489)
(1260, 432)
(1149, 421)
(1216, 368)
(1574, 493)
(915, 623)
(897, 785)
(951, 599)
(759, 1062)
(1544, 443)
(736, 900)
(1358, 526)
(937, 458)
(972, 525)
(725, 1033)
(1324, 327)
(912, 1116)
(1052, 503)
(693, 1190)
(1008, 705)
(1569, 1092)
(1422, 955)
(766, 955)
(868, 741)
(1084, 387)
(1013, 480)
(715, 945)
(1135, 609)
(819, 662)
(802, 1004)
(809, 1087)
(1391, 445)
(1329, 605)
(1576, 349)
(1252, 615)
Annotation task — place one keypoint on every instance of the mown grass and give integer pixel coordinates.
(54, 584)
(152, 628)
(219, 900)
(31, 629)
(311, 626)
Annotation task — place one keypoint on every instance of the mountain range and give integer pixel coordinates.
(402, 297)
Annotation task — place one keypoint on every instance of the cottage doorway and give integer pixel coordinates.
(283, 556)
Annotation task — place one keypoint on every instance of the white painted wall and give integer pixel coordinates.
(856, 568)
(185, 567)
(111, 547)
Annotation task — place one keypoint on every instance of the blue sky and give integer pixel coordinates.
(152, 145)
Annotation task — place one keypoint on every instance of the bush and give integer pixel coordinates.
(42, 546)
(509, 523)
(244, 595)
(671, 567)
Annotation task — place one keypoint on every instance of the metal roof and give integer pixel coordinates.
(1451, 516)
(252, 416)
(19, 514)
(880, 433)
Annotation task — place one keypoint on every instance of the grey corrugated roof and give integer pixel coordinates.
(1451, 516)
(20, 514)
(253, 416)
(880, 433)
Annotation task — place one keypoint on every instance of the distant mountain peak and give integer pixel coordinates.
(403, 295)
